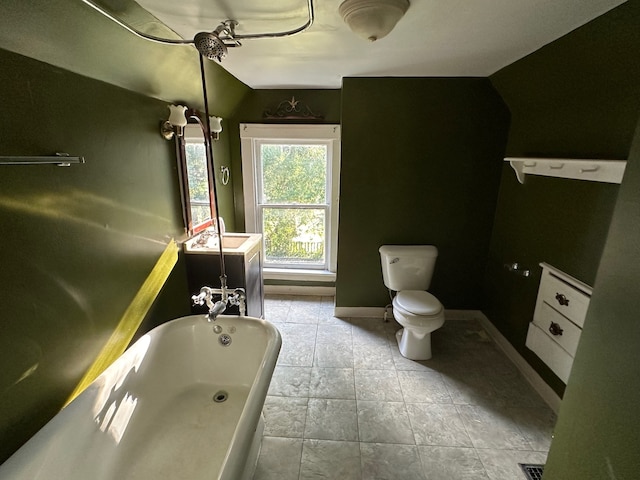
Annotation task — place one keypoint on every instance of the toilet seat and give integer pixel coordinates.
(419, 313)
(418, 303)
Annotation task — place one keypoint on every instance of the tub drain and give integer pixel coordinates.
(220, 396)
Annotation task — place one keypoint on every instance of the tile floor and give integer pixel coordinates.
(344, 404)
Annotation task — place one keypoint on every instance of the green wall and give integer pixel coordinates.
(421, 161)
(74, 36)
(222, 157)
(577, 98)
(598, 430)
(77, 242)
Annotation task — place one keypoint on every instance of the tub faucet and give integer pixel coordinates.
(218, 309)
(205, 296)
(238, 297)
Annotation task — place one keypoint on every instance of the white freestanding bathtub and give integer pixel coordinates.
(178, 404)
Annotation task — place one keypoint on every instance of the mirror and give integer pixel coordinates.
(196, 178)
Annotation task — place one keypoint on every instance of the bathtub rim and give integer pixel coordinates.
(234, 461)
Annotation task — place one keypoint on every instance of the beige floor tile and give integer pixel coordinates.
(279, 459)
(452, 463)
(384, 422)
(437, 424)
(390, 462)
(332, 383)
(330, 460)
(290, 381)
(365, 412)
(423, 387)
(327, 355)
(379, 385)
(329, 419)
(285, 416)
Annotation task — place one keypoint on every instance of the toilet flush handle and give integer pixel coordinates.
(395, 260)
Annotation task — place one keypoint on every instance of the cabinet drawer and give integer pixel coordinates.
(567, 335)
(566, 299)
(556, 358)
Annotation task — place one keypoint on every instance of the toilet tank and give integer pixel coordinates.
(408, 267)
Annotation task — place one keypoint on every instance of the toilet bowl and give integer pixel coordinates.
(407, 270)
(419, 313)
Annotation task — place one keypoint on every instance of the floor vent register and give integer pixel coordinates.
(532, 472)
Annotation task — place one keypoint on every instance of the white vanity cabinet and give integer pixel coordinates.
(558, 319)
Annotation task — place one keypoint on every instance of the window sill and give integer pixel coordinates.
(298, 274)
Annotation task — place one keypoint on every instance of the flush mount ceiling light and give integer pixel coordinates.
(372, 19)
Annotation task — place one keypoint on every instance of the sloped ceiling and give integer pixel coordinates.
(435, 38)
(73, 36)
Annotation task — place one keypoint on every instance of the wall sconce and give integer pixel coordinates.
(215, 124)
(176, 123)
(372, 19)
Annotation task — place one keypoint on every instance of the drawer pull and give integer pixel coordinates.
(562, 300)
(555, 329)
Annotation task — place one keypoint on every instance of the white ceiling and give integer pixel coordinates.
(436, 38)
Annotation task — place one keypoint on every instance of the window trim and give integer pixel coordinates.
(250, 136)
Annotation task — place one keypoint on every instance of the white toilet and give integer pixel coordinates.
(407, 270)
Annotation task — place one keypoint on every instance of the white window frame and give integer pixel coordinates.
(252, 135)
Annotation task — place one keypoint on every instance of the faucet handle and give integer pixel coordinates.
(239, 297)
(205, 296)
(198, 299)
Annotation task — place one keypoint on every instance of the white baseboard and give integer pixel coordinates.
(360, 312)
(539, 385)
(300, 290)
(378, 312)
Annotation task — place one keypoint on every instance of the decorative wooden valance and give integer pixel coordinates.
(291, 110)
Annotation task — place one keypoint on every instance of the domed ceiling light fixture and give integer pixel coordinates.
(372, 19)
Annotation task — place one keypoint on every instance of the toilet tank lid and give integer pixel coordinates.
(418, 302)
(413, 250)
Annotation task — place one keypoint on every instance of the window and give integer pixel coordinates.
(291, 175)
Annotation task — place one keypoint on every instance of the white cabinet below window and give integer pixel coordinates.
(558, 319)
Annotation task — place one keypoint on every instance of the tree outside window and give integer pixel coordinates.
(294, 202)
